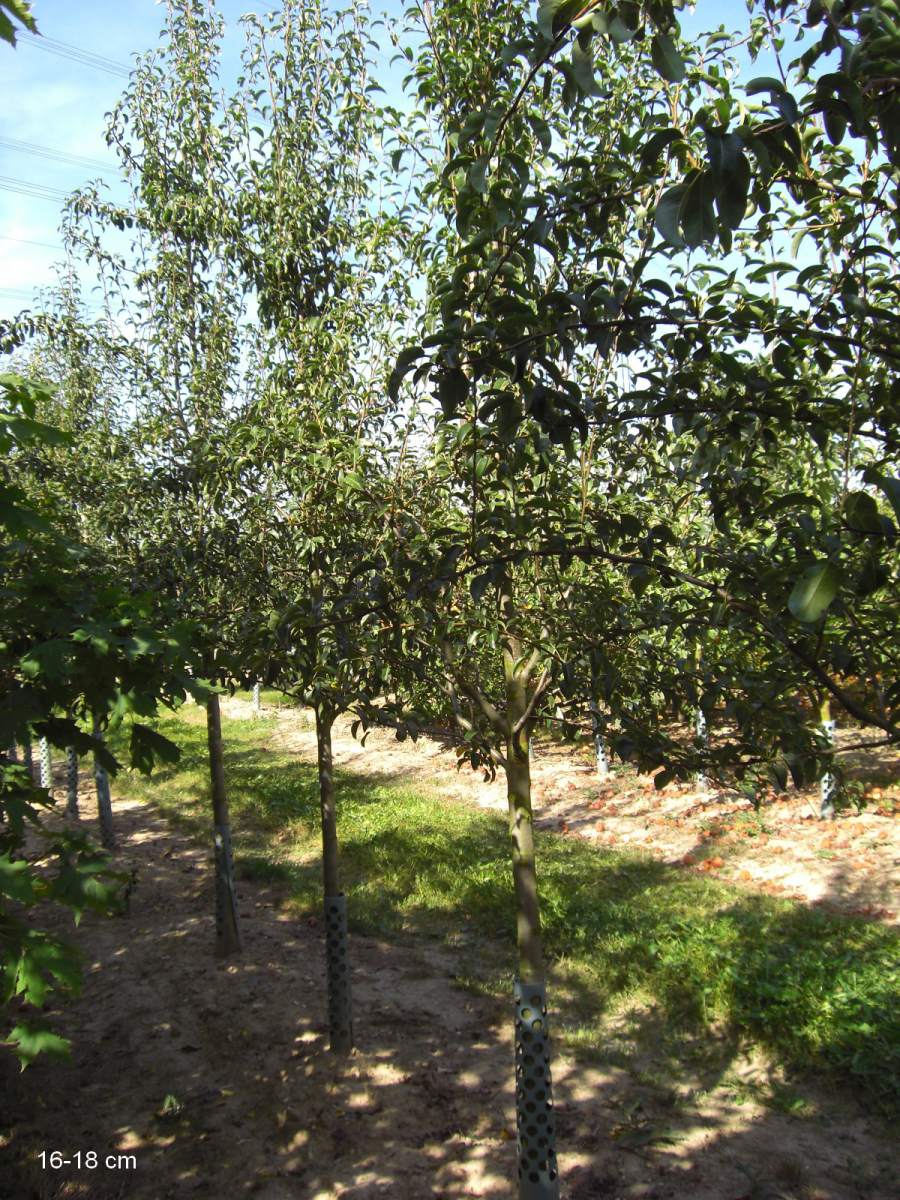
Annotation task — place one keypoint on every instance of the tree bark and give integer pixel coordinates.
(104, 800)
(330, 879)
(228, 933)
(521, 836)
(104, 807)
(340, 1004)
(28, 756)
(536, 1138)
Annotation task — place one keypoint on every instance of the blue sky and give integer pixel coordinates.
(55, 103)
(51, 101)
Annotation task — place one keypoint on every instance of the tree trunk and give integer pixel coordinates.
(340, 1006)
(28, 756)
(599, 741)
(72, 782)
(104, 807)
(827, 782)
(536, 1142)
(701, 741)
(228, 934)
(521, 834)
(104, 801)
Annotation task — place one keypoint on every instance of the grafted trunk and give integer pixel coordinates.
(535, 1127)
(104, 800)
(340, 1005)
(228, 934)
(521, 836)
(104, 807)
(28, 756)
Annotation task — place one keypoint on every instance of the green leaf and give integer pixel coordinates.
(25, 430)
(554, 15)
(656, 143)
(891, 489)
(862, 513)
(665, 58)
(453, 389)
(781, 97)
(732, 193)
(147, 746)
(16, 879)
(405, 360)
(696, 216)
(835, 125)
(814, 591)
(583, 65)
(48, 660)
(666, 218)
(28, 1041)
(478, 175)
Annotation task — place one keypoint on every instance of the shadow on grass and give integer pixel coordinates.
(665, 975)
(812, 988)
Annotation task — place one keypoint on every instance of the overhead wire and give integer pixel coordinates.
(48, 152)
(37, 191)
(5, 237)
(76, 54)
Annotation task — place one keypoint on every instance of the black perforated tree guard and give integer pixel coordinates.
(71, 781)
(538, 1175)
(340, 1007)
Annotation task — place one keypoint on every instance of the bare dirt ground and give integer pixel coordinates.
(218, 1080)
(851, 864)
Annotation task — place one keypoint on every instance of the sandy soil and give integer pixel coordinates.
(851, 864)
(217, 1078)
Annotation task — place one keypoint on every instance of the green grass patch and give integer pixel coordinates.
(268, 698)
(811, 988)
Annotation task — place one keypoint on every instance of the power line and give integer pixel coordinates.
(28, 242)
(12, 293)
(48, 152)
(37, 191)
(16, 293)
(86, 58)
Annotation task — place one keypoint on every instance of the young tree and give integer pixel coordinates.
(316, 249)
(186, 307)
(578, 161)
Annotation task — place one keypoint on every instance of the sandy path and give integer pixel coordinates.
(422, 1110)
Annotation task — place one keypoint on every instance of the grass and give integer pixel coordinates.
(811, 988)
